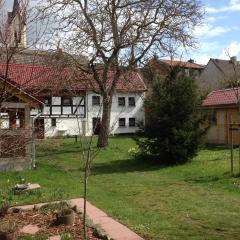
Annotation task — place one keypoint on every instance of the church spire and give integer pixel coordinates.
(17, 24)
(16, 8)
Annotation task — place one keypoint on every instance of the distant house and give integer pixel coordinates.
(162, 67)
(219, 74)
(223, 108)
(15, 126)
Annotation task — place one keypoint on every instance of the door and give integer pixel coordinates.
(96, 125)
(39, 128)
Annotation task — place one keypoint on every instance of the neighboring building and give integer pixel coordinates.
(189, 67)
(15, 127)
(72, 101)
(223, 109)
(162, 67)
(219, 74)
(17, 25)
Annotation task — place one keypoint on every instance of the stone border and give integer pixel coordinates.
(105, 226)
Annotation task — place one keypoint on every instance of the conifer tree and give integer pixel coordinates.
(174, 129)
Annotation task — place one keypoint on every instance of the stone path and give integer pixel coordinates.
(112, 228)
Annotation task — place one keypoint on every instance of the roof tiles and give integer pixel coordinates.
(31, 77)
(222, 97)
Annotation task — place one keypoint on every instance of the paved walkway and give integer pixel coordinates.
(112, 228)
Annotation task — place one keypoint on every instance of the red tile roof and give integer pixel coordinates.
(30, 77)
(222, 97)
(182, 64)
(11, 86)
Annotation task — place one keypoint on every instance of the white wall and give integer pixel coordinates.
(69, 125)
(64, 127)
(118, 112)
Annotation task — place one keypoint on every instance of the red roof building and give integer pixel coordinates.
(223, 107)
(220, 98)
(68, 92)
(33, 77)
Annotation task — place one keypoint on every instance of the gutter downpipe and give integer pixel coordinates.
(33, 140)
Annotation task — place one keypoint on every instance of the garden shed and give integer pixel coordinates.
(15, 126)
(223, 106)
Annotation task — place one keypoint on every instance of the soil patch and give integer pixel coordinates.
(45, 221)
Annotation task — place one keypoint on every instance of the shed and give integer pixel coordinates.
(223, 105)
(15, 126)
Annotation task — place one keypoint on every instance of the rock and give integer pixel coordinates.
(30, 229)
(14, 210)
(26, 187)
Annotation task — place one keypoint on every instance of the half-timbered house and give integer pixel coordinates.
(72, 103)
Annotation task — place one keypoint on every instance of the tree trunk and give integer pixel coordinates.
(105, 121)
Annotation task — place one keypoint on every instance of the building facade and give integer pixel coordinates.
(68, 116)
(219, 74)
(73, 105)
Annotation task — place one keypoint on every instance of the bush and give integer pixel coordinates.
(173, 118)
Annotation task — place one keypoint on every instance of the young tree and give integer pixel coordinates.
(173, 119)
(119, 34)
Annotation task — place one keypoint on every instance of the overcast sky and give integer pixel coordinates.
(219, 34)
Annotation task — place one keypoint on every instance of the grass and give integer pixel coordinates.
(198, 200)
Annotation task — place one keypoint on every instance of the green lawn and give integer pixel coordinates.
(198, 200)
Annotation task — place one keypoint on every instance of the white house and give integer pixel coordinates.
(73, 104)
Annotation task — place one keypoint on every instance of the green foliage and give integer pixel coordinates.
(172, 130)
(66, 236)
(195, 201)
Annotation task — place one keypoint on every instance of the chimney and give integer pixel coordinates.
(234, 60)
(191, 60)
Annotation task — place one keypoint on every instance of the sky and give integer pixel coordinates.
(218, 36)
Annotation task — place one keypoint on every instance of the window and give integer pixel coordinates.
(122, 122)
(47, 101)
(54, 122)
(213, 118)
(95, 100)
(132, 122)
(131, 101)
(121, 101)
(66, 101)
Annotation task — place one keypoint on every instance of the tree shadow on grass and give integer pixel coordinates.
(125, 166)
(204, 179)
(214, 147)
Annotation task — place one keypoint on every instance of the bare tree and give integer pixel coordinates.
(118, 35)
(13, 43)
